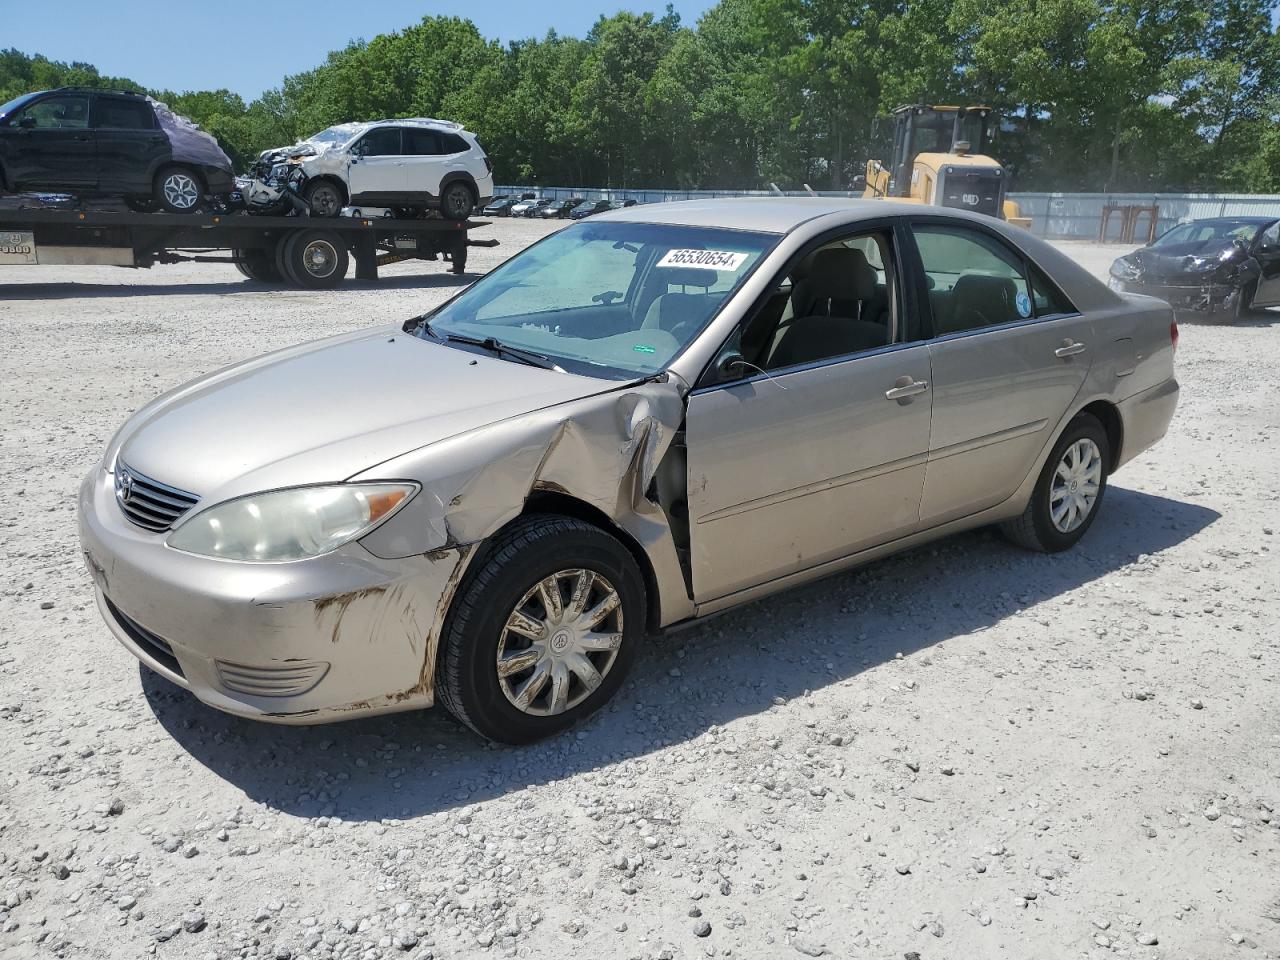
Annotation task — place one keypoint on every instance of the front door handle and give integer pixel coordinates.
(904, 388)
(1069, 348)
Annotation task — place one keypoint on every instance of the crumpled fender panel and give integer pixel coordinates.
(603, 450)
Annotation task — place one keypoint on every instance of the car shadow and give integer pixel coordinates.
(73, 290)
(1254, 317)
(407, 764)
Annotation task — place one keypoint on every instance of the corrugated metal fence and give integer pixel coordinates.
(1059, 215)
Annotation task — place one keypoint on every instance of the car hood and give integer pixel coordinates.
(329, 410)
(1178, 258)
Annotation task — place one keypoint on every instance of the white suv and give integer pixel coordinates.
(415, 164)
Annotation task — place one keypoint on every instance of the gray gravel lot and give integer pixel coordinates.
(966, 751)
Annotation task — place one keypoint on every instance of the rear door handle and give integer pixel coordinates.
(1069, 348)
(904, 388)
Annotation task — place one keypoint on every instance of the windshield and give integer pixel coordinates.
(607, 299)
(1209, 230)
(339, 134)
(15, 103)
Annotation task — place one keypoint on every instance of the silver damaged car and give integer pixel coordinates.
(647, 417)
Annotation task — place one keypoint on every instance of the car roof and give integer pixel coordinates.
(114, 93)
(763, 214)
(428, 122)
(1253, 220)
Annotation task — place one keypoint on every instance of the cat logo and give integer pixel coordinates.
(970, 199)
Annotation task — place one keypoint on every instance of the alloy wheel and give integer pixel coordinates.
(559, 642)
(181, 191)
(1074, 488)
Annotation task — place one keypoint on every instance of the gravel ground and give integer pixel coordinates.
(963, 752)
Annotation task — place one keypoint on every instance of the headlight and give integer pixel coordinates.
(280, 170)
(1122, 269)
(290, 524)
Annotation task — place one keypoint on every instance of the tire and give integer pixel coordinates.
(279, 259)
(314, 259)
(1244, 300)
(1036, 529)
(532, 551)
(178, 190)
(324, 198)
(258, 265)
(457, 201)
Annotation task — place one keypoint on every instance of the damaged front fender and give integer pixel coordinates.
(604, 451)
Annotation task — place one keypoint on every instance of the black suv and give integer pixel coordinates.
(84, 141)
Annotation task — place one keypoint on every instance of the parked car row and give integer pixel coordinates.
(530, 205)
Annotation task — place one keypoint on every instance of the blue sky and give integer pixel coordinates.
(249, 47)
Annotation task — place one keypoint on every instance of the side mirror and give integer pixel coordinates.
(732, 366)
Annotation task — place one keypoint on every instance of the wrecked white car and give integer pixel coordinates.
(412, 165)
(645, 418)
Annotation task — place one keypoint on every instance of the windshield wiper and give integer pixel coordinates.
(494, 345)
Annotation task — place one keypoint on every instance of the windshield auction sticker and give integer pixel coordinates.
(704, 259)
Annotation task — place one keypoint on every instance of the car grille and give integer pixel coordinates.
(157, 648)
(148, 503)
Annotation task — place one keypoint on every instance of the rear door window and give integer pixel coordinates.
(973, 280)
(422, 143)
(116, 114)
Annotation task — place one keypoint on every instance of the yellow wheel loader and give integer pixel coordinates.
(939, 158)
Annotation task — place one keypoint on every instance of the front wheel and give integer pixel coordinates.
(178, 190)
(324, 199)
(456, 202)
(543, 632)
(1068, 493)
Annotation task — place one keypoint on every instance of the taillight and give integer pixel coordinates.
(1173, 334)
(488, 164)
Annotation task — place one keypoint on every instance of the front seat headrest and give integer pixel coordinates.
(978, 299)
(840, 273)
(687, 276)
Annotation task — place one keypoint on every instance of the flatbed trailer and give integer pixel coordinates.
(303, 251)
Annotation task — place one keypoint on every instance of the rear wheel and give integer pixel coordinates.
(316, 259)
(1068, 493)
(324, 198)
(259, 265)
(543, 632)
(457, 201)
(178, 190)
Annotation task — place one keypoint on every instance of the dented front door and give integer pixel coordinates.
(791, 471)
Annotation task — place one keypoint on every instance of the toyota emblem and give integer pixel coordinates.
(124, 487)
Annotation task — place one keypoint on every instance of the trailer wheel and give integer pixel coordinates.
(315, 259)
(259, 265)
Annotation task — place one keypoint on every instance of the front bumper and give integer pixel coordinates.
(335, 637)
(1198, 296)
